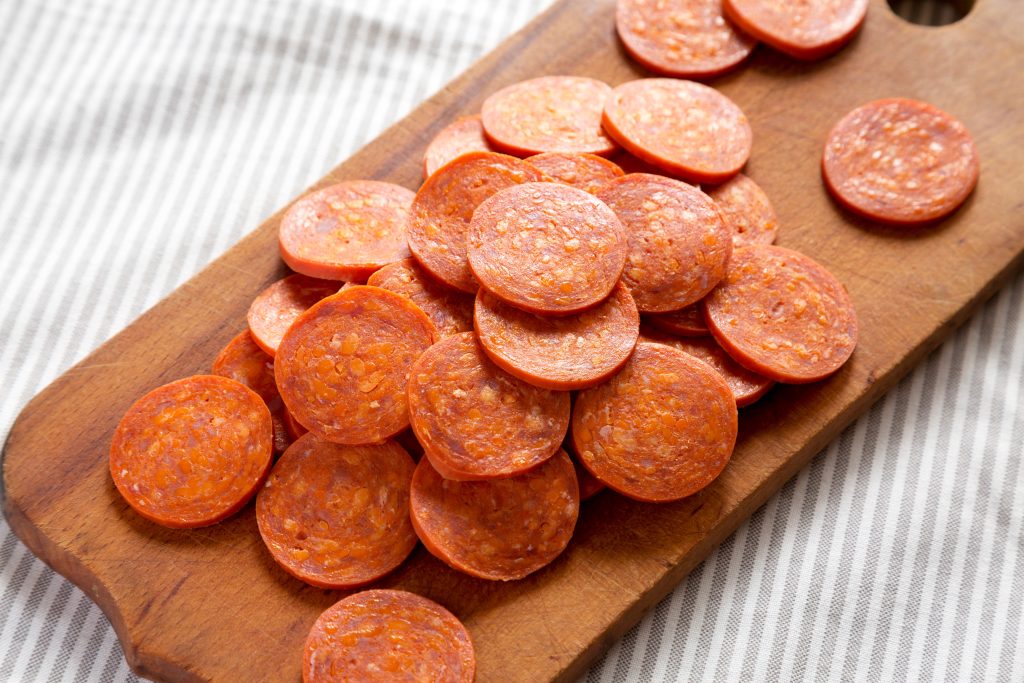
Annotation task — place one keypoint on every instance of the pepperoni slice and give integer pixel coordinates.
(445, 204)
(343, 365)
(192, 452)
(499, 529)
(782, 315)
(660, 430)
(588, 172)
(450, 311)
(688, 322)
(548, 114)
(682, 38)
(679, 245)
(475, 420)
(746, 209)
(900, 161)
(465, 134)
(805, 30)
(274, 310)
(546, 248)
(346, 231)
(746, 386)
(685, 128)
(382, 636)
(565, 353)
(338, 516)
(243, 361)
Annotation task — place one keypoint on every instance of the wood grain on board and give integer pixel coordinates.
(210, 604)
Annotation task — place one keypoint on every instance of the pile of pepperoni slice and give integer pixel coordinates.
(461, 366)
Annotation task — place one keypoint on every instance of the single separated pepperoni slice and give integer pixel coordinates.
(192, 452)
(805, 30)
(346, 231)
(681, 38)
(782, 315)
(688, 322)
(337, 516)
(746, 386)
(498, 529)
(546, 248)
(746, 210)
(445, 204)
(678, 244)
(244, 361)
(274, 310)
(463, 135)
(900, 161)
(588, 172)
(548, 114)
(343, 365)
(476, 421)
(685, 128)
(451, 311)
(571, 352)
(385, 636)
(660, 430)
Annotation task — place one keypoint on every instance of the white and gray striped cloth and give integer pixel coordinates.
(138, 140)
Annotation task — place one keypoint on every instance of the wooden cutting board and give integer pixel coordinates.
(210, 604)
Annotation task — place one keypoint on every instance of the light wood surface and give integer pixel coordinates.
(211, 605)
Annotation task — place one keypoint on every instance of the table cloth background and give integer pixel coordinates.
(139, 140)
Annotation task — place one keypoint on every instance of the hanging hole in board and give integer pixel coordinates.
(931, 12)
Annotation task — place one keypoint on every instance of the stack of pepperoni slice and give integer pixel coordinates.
(533, 325)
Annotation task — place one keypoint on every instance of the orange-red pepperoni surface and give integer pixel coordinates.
(499, 529)
(782, 315)
(678, 244)
(388, 636)
(746, 386)
(683, 38)
(588, 172)
(548, 114)
(274, 310)
(805, 30)
(900, 161)
(192, 452)
(746, 210)
(660, 430)
(346, 231)
(475, 420)
(338, 516)
(343, 365)
(465, 134)
(687, 321)
(571, 352)
(451, 311)
(445, 204)
(546, 248)
(685, 128)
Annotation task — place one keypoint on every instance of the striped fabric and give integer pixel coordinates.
(138, 140)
